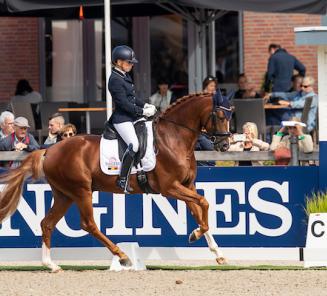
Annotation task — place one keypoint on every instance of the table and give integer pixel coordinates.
(87, 113)
(270, 106)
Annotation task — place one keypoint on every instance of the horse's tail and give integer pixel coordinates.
(14, 179)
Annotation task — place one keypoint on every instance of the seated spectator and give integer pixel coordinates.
(68, 130)
(161, 99)
(6, 124)
(56, 122)
(282, 137)
(296, 101)
(204, 144)
(297, 80)
(244, 91)
(248, 142)
(25, 93)
(19, 140)
(209, 85)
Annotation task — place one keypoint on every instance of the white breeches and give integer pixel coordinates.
(127, 131)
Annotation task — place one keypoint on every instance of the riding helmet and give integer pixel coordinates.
(125, 53)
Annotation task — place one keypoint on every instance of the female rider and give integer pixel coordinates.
(128, 108)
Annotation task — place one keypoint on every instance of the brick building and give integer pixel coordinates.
(20, 47)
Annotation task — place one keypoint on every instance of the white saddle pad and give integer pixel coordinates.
(109, 155)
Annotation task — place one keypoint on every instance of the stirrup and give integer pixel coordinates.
(122, 183)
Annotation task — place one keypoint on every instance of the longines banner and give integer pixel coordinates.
(249, 207)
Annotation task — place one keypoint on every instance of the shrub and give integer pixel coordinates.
(317, 203)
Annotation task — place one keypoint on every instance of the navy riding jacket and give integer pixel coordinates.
(280, 70)
(127, 106)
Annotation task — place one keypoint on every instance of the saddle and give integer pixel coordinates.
(110, 133)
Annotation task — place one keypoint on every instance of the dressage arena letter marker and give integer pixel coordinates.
(315, 252)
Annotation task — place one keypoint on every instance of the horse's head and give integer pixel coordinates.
(217, 124)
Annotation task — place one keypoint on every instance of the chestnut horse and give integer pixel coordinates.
(72, 168)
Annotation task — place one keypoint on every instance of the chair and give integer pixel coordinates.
(97, 118)
(305, 112)
(46, 110)
(250, 110)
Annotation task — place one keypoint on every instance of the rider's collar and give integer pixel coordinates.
(120, 71)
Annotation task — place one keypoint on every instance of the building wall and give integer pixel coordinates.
(261, 29)
(19, 54)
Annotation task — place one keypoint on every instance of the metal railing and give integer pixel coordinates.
(205, 156)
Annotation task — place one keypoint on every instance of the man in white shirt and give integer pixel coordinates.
(56, 122)
(161, 99)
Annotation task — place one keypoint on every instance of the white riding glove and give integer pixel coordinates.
(150, 111)
(146, 106)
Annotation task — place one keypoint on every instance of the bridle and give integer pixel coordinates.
(218, 104)
(215, 135)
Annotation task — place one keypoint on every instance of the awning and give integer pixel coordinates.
(141, 7)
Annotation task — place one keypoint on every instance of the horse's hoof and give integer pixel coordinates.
(221, 261)
(193, 237)
(55, 269)
(125, 262)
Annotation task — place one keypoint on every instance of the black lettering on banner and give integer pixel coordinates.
(313, 228)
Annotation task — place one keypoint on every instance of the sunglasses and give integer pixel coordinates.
(305, 86)
(67, 135)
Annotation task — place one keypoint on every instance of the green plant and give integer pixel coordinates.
(317, 203)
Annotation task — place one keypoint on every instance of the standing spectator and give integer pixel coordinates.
(244, 91)
(56, 122)
(282, 137)
(250, 142)
(280, 69)
(161, 99)
(209, 84)
(6, 124)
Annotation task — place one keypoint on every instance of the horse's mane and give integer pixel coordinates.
(178, 103)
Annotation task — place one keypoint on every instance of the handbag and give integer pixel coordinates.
(282, 156)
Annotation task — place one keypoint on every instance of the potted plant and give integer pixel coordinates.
(315, 253)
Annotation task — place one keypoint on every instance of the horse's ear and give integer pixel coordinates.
(219, 97)
(230, 95)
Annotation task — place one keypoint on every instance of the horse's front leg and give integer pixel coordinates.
(213, 246)
(188, 195)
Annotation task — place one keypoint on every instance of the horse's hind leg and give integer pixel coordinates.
(58, 210)
(88, 224)
(213, 246)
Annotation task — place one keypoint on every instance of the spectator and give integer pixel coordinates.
(68, 130)
(56, 122)
(280, 69)
(296, 101)
(25, 93)
(282, 137)
(19, 140)
(161, 99)
(6, 124)
(209, 84)
(296, 83)
(248, 142)
(204, 144)
(244, 91)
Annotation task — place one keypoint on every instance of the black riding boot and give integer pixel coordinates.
(126, 166)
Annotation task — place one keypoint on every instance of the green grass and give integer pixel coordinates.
(317, 203)
(163, 267)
